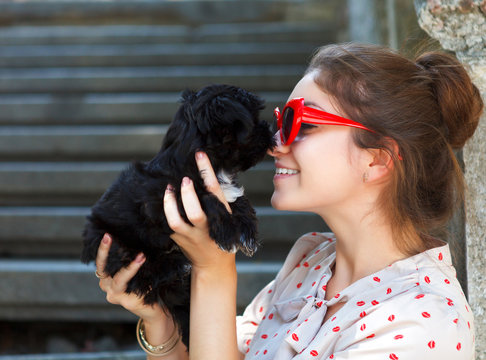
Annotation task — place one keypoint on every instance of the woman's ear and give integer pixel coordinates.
(381, 161)
(380, 165)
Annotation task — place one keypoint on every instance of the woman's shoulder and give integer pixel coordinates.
(430, 312)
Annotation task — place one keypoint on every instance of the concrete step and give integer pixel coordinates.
(99, 108)
(191, 12)
(154, 54)
(97, 143)
(270, 32)
(56, 231)
(119, 355)
(67, 290)
(147, 79)
(61, 183)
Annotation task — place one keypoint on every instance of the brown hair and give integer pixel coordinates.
(428, 107)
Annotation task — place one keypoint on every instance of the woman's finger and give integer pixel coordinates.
(209, 177)
(191, 203)
(124, 275)
(174, 219)
(102, 255)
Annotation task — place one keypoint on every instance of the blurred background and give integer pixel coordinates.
(88, 86)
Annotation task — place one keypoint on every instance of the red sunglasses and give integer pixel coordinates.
(295, 113)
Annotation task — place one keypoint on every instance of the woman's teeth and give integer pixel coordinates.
(279, 171)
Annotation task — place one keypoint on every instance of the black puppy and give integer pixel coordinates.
(221, 120)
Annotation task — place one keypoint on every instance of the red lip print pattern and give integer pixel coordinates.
(391, 318)
(299, 285)
(377, 279)
(426, 315)
(314, 353)
(336, 329)
(431, 344)
(295, 337)
(427, 279)
(388, 291)
(458, 347)
(374, 302)
(360, 303)
(397, 337)
(393, 357)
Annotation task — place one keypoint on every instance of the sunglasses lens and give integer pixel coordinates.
(287, 121)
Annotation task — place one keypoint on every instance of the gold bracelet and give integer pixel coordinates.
(160, 350)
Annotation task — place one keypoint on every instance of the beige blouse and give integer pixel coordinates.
(413, 309)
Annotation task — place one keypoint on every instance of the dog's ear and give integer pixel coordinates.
(229, 116)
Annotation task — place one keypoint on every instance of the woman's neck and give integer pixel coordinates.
(364, 246)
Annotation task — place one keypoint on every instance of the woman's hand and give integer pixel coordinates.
(115, 286)
(158, 324)
(194, 238)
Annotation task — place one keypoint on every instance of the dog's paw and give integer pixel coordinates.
(244, 217)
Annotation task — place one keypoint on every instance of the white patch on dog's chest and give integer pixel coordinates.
(230, 190)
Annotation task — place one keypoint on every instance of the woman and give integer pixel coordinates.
(381, 286)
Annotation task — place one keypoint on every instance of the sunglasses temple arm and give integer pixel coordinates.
(314, 116)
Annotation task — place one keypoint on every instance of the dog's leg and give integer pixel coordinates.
(245, 219)
(222, 228)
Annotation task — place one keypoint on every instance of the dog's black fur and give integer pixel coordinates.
(221, 120)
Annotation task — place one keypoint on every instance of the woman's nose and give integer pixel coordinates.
(279, 147)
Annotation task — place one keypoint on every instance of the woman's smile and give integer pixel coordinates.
(285, 171)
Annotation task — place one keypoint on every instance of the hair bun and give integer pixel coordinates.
(459, 99)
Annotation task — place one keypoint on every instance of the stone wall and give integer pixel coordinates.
(460, 26)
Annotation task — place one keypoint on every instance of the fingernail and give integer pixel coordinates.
(186, 181)
(199, 155)
(140, 258)
(169, 188)
(106, 239)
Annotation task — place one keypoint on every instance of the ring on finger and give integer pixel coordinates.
(100, 276)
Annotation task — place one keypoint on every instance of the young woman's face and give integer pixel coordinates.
(322, 169)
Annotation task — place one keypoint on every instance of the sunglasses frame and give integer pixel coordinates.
(309, 115)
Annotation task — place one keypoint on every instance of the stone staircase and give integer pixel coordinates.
(80, 97)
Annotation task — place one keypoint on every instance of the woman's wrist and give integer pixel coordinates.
(157, 330)
(161, 349)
